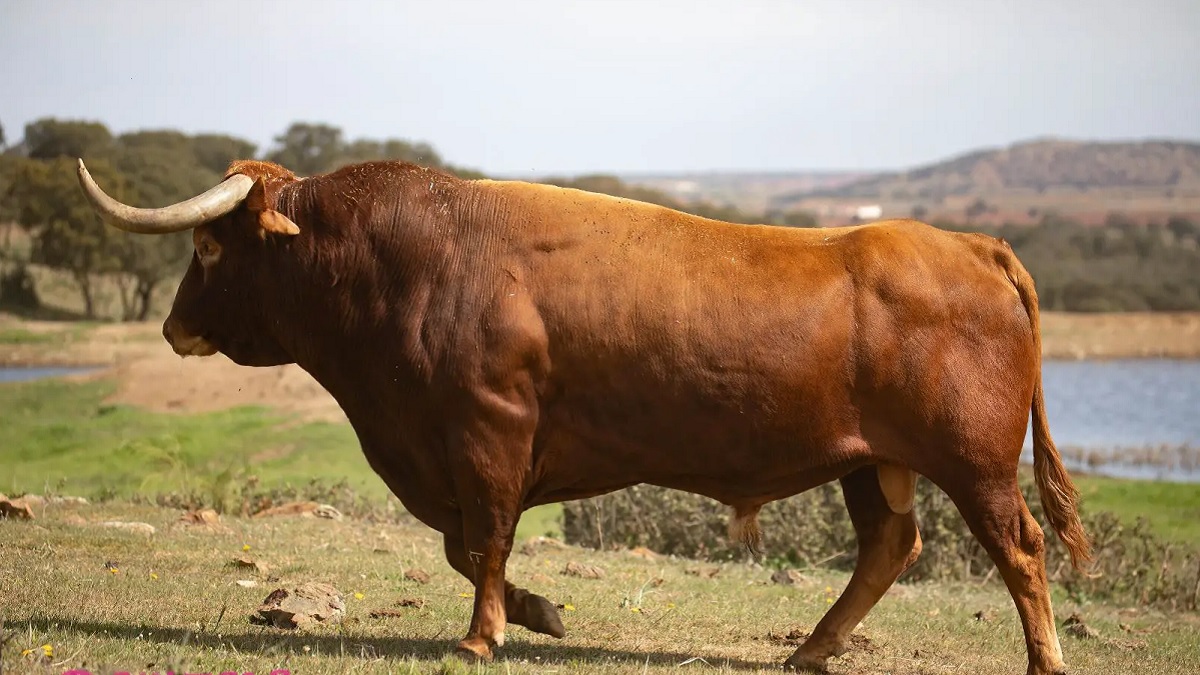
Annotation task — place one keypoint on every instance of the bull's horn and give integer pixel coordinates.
(198, 210)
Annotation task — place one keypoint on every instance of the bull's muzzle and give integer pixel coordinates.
(184, 343)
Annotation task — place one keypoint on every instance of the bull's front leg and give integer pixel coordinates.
(521, 607)
(489, 470)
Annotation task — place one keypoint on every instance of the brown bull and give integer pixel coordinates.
(499, 345)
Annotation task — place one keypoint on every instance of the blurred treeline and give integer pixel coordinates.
(56, 229)
(1120, 266)
(45, 222)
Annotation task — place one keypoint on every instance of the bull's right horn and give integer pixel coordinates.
(198, 210)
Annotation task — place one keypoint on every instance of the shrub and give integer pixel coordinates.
(813, 529)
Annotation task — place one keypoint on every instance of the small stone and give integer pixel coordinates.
(535, 545)
(1075, 627)
(574, 569)
(643, 553)
(327, 511)
(16, 509)
(301, 605)
(289, 509)
(202, 520)
(417, 575)
(138, 528)
(200, 517)
(787, 577)
(246, 583)
(248, 563)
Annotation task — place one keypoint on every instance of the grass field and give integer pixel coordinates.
(173, 604)
(107, 600)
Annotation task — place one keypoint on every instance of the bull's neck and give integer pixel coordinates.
(373, 301)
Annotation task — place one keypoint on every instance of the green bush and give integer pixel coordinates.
(813, 529)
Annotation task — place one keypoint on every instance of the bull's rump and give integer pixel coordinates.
(731, 359)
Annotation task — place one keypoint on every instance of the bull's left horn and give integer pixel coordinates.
(198, 210)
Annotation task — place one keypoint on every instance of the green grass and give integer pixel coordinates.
(62, 437)
(21, 336)
(173, 604)
(66, 332)
(1173, 509)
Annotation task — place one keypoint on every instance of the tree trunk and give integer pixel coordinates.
(126, 293)
(145, 292)
(84, 280)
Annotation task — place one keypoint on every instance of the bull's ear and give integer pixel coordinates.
(268, 219)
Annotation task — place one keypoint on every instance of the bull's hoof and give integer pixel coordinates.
(474, 650)
(541, 616)
(805, 663)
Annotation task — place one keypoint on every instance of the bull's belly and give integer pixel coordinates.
(734, 457)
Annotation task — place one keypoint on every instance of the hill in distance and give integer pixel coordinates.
(1085, 180)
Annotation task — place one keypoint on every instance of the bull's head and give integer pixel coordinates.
(221, 303)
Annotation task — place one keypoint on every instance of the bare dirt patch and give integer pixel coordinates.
(149, 375)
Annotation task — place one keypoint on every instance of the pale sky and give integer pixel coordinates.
(550, 86)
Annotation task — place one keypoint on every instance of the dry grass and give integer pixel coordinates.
(172, 604)
(1173, 335)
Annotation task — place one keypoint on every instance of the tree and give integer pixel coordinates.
(49, 138)
(308, 149)
(66, 232)
(216, 151)
(799, 219)
(3, 145)
(160, 169)
(144, 262)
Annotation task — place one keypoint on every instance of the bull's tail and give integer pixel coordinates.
(1060, 497)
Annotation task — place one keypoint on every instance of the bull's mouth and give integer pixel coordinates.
(193, 345)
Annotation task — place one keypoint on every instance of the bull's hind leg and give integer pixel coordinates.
(997, 515)
(522, 607)
(888, 543)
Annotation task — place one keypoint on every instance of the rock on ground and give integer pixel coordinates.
(302, 605)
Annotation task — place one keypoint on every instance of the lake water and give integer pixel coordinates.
(25, 374)
(1094, 407)
(1123, 403)
(1111, 407)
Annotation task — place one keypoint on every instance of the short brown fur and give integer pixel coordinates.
(498, 345)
